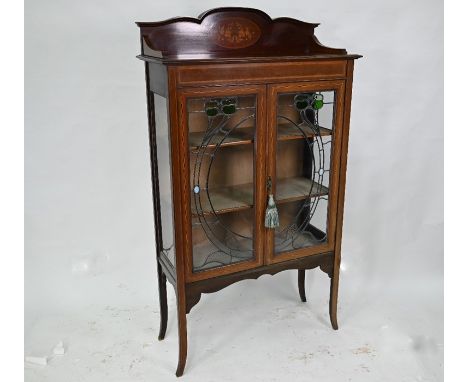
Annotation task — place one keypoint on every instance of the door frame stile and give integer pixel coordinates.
(270, 167)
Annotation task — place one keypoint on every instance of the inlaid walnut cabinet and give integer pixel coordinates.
(241, 107)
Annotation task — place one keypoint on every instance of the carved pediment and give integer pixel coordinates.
(231, 33)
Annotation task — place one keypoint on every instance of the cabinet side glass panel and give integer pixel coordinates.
(164, 174)
(221, 149)
(305, 124)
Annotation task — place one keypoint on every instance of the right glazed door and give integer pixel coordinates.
(304, 152)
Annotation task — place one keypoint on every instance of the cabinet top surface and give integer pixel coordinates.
(233, 35)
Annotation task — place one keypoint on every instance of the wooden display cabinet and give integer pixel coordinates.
(241, 106)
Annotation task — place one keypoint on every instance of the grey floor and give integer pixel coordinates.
(254, 330)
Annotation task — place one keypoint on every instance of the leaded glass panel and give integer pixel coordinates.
(304, 132)
(222, 135)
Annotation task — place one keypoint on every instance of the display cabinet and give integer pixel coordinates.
(248, 126)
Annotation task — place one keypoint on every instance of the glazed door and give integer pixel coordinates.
(223, 139)
(304, 141)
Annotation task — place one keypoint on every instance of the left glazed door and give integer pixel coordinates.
(222, 143)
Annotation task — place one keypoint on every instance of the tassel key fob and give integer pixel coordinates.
(271, 213)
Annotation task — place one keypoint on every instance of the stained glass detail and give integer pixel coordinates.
(226, 106)
(305, 161)
(221, 140)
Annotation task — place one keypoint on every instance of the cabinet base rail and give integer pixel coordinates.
(194, 290)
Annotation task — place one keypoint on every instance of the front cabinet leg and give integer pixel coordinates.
(332, 269)
(301, 284)
(334, 281)
(182, 320)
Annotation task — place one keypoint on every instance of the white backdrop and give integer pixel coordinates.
(88, 220)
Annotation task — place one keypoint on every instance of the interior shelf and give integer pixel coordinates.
(292, 189)
(240, 197)
(287, 132)
(242, 136)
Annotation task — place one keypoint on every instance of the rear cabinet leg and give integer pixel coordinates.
(162, 281)
(301, 284)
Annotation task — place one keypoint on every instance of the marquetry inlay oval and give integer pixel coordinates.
(236, 32)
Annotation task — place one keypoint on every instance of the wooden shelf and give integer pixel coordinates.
(243, 136)
(287, 132)
(226, 199)
(292, 189)
(240, 197)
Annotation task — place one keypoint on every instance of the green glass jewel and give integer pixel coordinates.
(301, 104)
(301, 101)
(212, 112)
(228, 105)
(318, 102)
(229, 109)
(211, 108)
